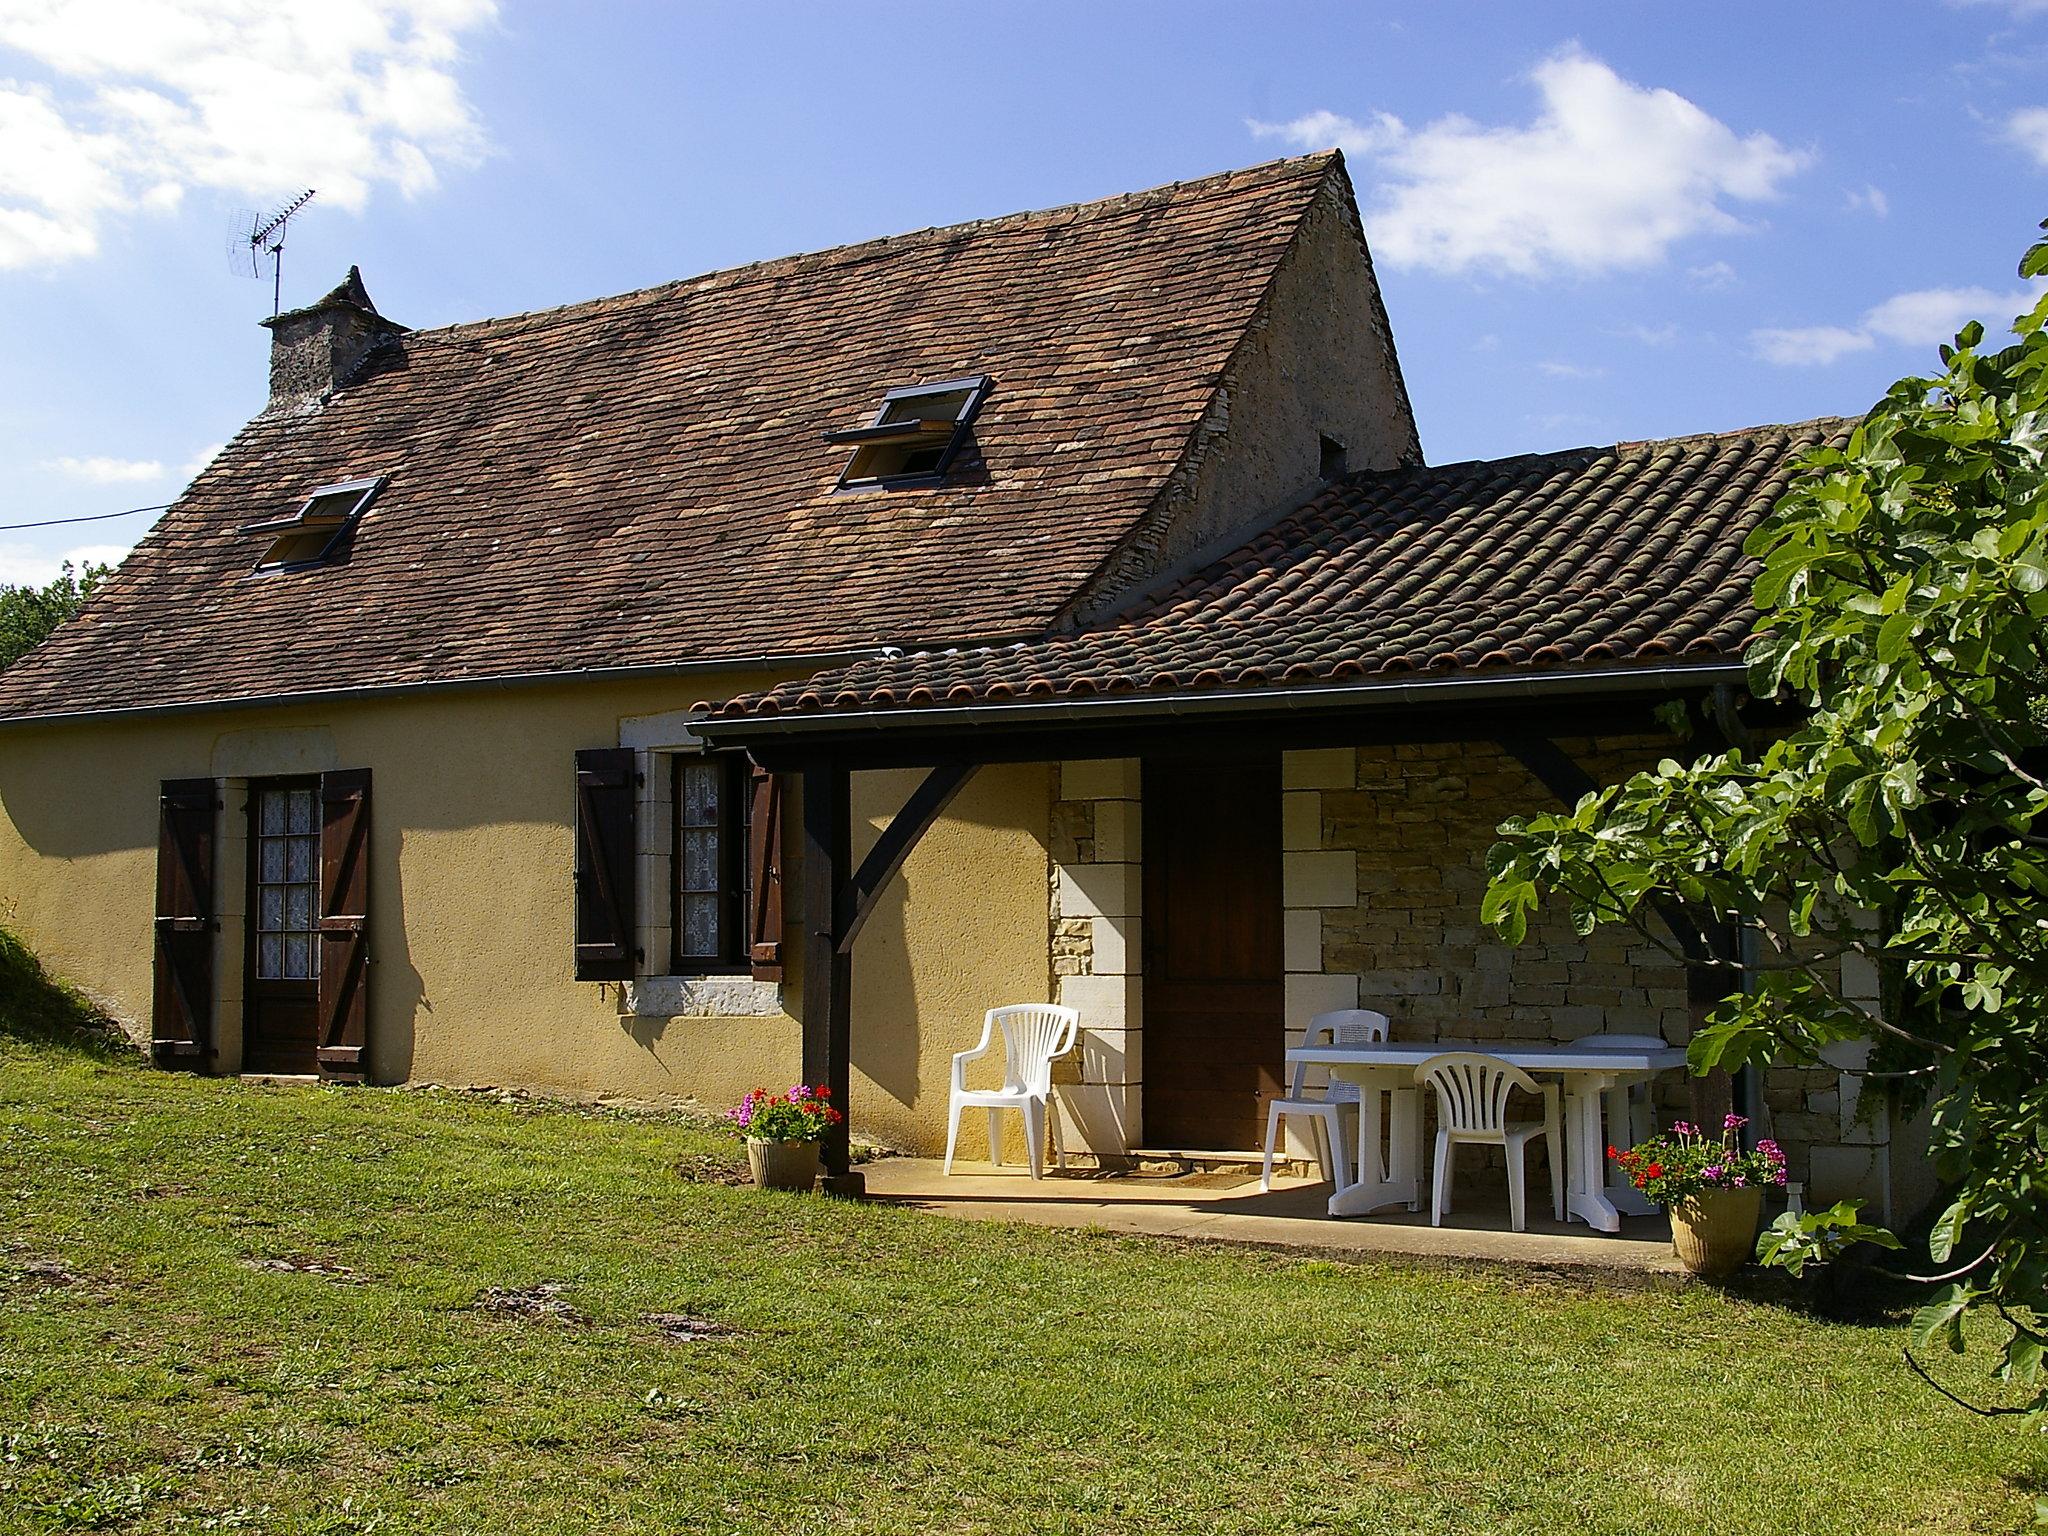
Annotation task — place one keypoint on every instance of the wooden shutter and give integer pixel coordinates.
(764, 876)
(181, 1015)
(344, 1047)
(607, 792)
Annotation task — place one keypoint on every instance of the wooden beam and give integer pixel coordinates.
(1560, 773)
(828, 969)
(927, 803)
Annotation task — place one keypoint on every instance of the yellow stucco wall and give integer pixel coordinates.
(472, 847)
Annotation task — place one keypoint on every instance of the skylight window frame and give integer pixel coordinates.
(285, 528)
(977, 387)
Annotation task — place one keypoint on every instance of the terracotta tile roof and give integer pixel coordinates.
(640, 480)
(1596, 557)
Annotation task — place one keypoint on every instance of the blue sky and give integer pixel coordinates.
(1592, 222)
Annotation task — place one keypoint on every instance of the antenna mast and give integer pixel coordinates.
(267, 239)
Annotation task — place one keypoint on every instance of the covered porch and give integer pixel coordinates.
(1215, 883)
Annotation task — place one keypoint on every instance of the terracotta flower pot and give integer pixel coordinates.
(783, 1164)
(1714, 1232)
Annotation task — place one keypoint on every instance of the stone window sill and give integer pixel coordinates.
(671, 997)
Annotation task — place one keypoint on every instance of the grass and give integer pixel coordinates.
(286, 1309)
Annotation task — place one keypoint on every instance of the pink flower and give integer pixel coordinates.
(1734, 1123)
(1680, 1128)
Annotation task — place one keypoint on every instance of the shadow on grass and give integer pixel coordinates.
(1864, 1285)
(37, 1008)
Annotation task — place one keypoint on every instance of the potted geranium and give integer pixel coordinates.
(782, 1133)
(1712, 1187)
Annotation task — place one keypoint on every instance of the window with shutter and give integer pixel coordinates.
(709, 917)
(181, 1014)
(342, 939)
(607, 790)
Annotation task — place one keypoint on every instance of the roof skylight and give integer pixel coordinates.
(914, 437)
(314, 533)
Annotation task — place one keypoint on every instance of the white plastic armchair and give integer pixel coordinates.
(1034, 1035)
(1342, 1026)
(1472, 1106)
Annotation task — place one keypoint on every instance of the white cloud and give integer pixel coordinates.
(1871, 199)
(2028, 128)
(1808, 345)
(100, 471)
(146, 100)
(1651, 335)
(23, 565)
(1608, 175)
(190, 469)
(1925, 317)
(1558, 370)
(1562, 421)
(1715, 274)
(1934, 315)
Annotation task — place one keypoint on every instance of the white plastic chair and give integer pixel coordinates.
(1626, 1108)
(1344, 1026)
(1471, 1106)
(1033, 1035)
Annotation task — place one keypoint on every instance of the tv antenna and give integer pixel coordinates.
(257, 235)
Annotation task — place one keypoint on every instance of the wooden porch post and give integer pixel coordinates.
(828, 968)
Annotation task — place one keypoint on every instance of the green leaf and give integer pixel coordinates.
(1941, 1242)
(1941, 1320)
(1893, 636)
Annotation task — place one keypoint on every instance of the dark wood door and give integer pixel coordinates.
(281, 994)
(1214, 1031)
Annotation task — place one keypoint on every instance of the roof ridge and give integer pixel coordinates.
(1621, 445)
(1761, 429)
(860, 250)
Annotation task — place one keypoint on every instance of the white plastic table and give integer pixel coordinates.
(1593, 1194)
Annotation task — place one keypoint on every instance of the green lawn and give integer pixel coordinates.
(239, 1307)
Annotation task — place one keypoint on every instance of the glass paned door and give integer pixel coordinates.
(700, 882)
(287, 884)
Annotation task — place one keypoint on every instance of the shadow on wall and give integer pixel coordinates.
(398, 992)
(886, 1009)
(912, 1010)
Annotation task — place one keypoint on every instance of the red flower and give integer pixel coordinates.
(1653, 1171)
(1614, 1154)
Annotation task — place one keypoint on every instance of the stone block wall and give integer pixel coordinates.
(1386, 867)
(1093, 906)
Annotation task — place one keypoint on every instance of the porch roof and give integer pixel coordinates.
(1593, 568)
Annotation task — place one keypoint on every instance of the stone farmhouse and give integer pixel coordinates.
(761, 675)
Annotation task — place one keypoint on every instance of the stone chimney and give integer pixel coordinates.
(315, 349)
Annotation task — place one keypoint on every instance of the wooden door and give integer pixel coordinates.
(1214, 1029)
(281, 995)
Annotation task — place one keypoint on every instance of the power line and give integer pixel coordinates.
(97, 517)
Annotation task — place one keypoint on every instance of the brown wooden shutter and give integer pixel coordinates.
(607, 792)
(181, 1015)
(344, 1049)
(764, 877)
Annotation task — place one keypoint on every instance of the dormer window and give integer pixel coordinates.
(314, 533)
(914, 436)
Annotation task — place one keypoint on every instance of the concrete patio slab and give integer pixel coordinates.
(1227, 1206)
